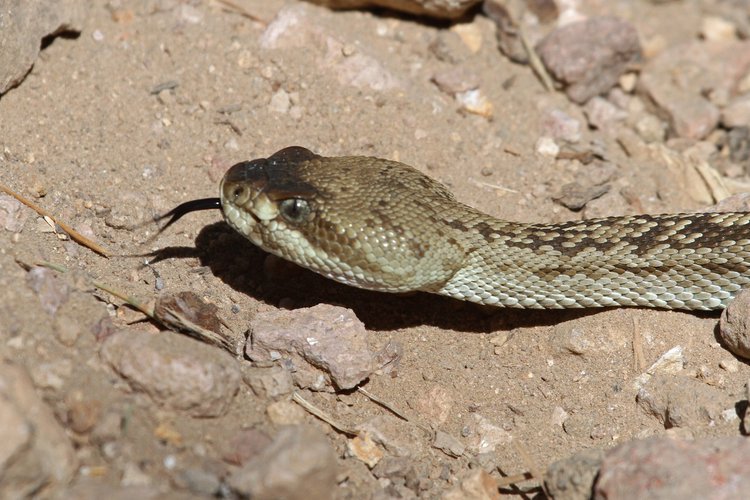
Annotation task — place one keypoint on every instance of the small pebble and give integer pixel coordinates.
(651, 129)
(559, 416)
(734, 325)
(285, 413)
(474, 101)
(201, 482)
(280, 102)
(559, 125)
(364, 448)
(448, 444)
(731, 365)
(717, 29)
(546, 146)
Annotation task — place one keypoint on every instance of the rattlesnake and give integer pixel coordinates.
(383, 225)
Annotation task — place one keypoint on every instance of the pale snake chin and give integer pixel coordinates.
(383, 225)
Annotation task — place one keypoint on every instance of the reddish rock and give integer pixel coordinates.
(298, 465)
(327, 337)
(35, 450)
(246, 445)
(52, 291)
(300, 26)
(589, 56)
(24, 25)
(669, 468)
(687, 82)
(174, 370)
(734, 326)
(12, 214)
(679, 401)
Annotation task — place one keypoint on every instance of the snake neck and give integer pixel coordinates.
(689, 261)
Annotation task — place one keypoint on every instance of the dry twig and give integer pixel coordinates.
(75, 235)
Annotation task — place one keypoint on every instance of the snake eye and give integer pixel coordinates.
(238, 191)
(294, 209)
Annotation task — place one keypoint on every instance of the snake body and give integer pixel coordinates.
(383, 225)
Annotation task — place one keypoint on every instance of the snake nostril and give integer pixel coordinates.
(238, 191)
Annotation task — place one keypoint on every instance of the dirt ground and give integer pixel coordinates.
(90, 137)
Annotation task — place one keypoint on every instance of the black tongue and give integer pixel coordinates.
(185, 208)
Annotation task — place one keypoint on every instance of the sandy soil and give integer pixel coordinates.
(87, 139)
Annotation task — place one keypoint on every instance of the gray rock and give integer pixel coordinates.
(448, 444)
(12, 214)
(174, 370)
(671, 468)
(456, 79)
(300, 26)
(399, 438)
(51, 290)
(446, 9)
(602, 114)
(245, 446)
(738, 140)
(589, 56)
(734, 326)
(35, 450)
(560, 126)
(269, 383)
(686, 83)
(23, 25)
(737, 112)
(574, 196)
(572, 478)
(329, 338)
(87, 488)
(298, 465)
(680, 401)
(200, 481)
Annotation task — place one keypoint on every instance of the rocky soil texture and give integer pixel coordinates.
(112, 112)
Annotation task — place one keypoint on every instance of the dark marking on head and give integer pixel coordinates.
(276, 176)
(292, 154)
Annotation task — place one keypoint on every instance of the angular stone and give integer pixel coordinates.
(734, 325)
(679, 401)
(327, 337)
(174, 370)
(572, 478)
(299, 26)
(24, 24)
(687, 82)
(298, 465)
(589, 56)
(399, 438)
(671, 468)
(35, 450)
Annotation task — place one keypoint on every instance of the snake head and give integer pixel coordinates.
(267, 195)
(359, 220)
